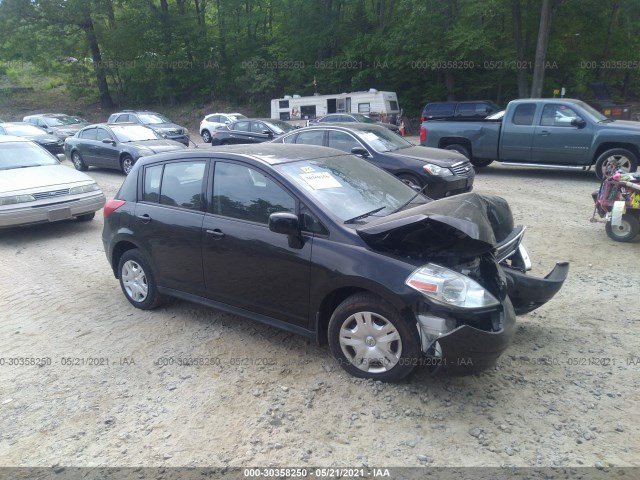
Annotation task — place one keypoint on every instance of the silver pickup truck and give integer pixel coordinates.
(552, 133)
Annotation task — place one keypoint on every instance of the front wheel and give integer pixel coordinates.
(370, 339)
(616, 159)
(411, 180)
(626, 231)
(137, 280)
(126, 164)
(77, 161)
(206, 136)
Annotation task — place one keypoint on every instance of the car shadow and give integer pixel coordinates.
(30, 234)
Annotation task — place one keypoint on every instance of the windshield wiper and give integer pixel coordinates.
(419, 192)
(364, 215)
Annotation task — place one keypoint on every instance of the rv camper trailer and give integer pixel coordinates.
(298, 110)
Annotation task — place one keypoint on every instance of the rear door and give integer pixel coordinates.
(168, 221)
(246, 265)
(516, 138)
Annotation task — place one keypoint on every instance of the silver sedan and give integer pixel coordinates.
(36, 188)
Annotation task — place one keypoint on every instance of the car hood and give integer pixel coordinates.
(629, 125)
(465, 225)
(157, 146)
(46, 138)
(33, 178)
(165, 126)
(437, 156)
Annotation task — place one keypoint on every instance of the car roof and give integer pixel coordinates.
(266, 153)
(12, 138)
(17, 123)
(47, 115)
(359, 126)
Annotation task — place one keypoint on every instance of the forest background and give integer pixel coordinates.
(132, 53)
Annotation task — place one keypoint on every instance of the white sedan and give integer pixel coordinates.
(36, 188)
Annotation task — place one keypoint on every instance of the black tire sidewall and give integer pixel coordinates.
(153, 299)
(634, 225)
(371, 303)
(124, 159)
(81, 165)
(412, 178)
(615, 151)
(461, 149)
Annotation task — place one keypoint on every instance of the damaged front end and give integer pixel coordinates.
(474, 279)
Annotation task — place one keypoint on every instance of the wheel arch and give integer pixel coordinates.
(603, 147)
(465, 142)
(119, 249)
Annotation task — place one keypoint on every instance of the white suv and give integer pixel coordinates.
(215, 120)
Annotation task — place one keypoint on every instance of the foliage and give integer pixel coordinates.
(250, 51)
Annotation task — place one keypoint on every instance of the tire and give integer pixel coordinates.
(615, 159)
(411, 180)
(86, 217)
(460, 149)
(77, 161)
(389, 359)
(126, 164)
(206, 136)
(625, 232)
(480, 163)
(137, 281)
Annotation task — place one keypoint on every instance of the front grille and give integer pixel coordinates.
(463, 168)
(53, 193)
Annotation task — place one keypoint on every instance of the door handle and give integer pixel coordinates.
(544, 133)
(216, 234)
(144, 218)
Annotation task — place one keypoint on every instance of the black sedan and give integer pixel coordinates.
(326, 245)
(352, 118)
(441, 172)
(116, 146)
(25, 130)
(250, 130)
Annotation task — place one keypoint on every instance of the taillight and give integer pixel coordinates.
(422, 118)
(423, 134)
(111, 206)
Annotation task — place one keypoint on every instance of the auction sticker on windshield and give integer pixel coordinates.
(320, 180)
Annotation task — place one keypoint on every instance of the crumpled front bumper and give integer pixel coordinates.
(468, 349)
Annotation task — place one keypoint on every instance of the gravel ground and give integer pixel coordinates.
(564, 394)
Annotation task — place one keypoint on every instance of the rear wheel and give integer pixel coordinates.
(206, 136)
(460, 149)
(626, 231)
(137, 280)
(615, 159)
(77, 161)
(126, 164)
(477, 162)
(370, 339)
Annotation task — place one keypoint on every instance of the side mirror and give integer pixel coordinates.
(267, 133)
(287, 224)
(108, 140)
(360, 151)
(578, 122)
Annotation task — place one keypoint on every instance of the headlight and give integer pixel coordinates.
(92, 187)
(185, 131)
(12, 200)
(436, 170)
(449, 287)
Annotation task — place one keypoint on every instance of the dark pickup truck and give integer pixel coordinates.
(552, 133)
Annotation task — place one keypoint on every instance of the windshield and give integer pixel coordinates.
(23, 129)
(152, 118)
(279, 127)
(24, 154)
(382, 139)
(134, 133)
(59, 120)
(592, 113)
(348, 186)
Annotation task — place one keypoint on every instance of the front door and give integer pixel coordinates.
(246, 265)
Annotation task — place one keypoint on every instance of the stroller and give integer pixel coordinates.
(618, 201)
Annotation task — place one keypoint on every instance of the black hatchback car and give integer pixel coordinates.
(324, 244)
(441, 172)
(250, 130)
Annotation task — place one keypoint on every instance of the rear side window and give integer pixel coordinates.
(176, 184)
(89, 134)
(440, 109)
(524, 113)
(313, 137)
(242, 126)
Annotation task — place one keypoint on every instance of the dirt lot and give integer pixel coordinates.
(566, 393)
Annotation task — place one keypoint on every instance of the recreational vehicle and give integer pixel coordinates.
(298, 110)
